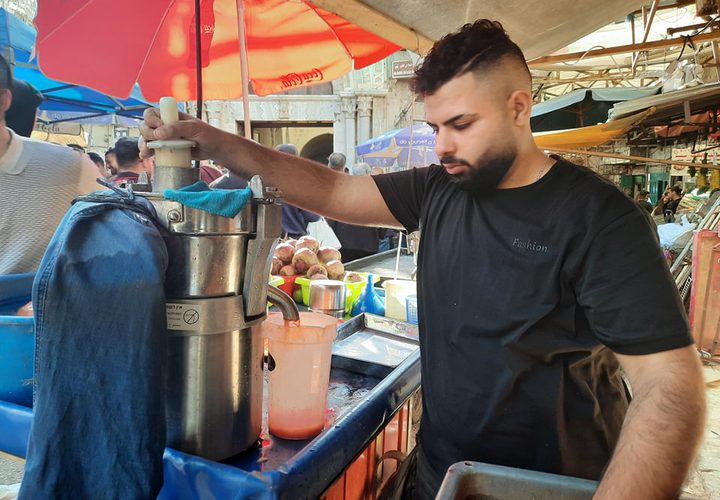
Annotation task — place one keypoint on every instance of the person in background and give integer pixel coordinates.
(361, 169)
(38, 180)
(23, 111)
(209, 173)
(667, 205)
(228, 180)
(377, 171)
(130, 165)
(532, 303)
(294, 220)
(111, 161)
(336, 162)
(99, 163)
(357, 241)
(642, 199)
(77, 147)
(673, 200)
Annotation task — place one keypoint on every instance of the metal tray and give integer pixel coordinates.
(466, 480)
(373, 345)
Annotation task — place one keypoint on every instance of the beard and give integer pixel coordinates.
(486, 173)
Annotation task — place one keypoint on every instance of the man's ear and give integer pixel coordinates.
(5, 100)
(520, 104)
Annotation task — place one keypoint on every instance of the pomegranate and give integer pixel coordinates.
(308, 242)
(304, 259)
(284, 252)
(317, 269)
(326, 254)
(276, 265)
(335, 269)
(288, 270)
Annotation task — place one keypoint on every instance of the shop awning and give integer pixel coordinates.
(587, 137)
(582, 107)
(537, 26)
(672, 105)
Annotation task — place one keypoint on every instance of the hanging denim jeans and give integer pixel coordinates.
(100, 356)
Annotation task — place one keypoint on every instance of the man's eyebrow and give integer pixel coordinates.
(454, 119)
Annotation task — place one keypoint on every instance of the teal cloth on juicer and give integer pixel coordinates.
(223, 202)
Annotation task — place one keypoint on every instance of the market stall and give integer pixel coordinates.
(368, 417)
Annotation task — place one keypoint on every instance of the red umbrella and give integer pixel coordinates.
(110, 44)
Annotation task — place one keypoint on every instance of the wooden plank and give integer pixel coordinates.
(624, 49)
(646, 32)
(644, 159)
(376, 22)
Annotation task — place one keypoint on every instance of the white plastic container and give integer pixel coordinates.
(300, 374)
(396, 293)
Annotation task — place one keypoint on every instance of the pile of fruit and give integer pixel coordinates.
(305, 257)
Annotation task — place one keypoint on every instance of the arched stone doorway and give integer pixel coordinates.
(318, 148)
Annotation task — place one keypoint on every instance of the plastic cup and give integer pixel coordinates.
(300, 359)
(411, 309)
(396, 291)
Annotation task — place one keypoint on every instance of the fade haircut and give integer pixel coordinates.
(6, 76)
(479, 46)
(127, 151)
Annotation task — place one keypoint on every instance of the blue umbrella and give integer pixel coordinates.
(62, 101)
(392, 149)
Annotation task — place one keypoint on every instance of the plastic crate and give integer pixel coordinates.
(466, 480)
(411, 309)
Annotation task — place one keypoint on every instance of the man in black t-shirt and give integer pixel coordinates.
(537, 280)
(642, 200)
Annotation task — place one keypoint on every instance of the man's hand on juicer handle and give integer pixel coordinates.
(208, 138)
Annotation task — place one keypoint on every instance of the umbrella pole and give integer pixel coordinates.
(412, 126)
(198, 61)
(244, 67)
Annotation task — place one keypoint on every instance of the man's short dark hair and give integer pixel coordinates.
(110, 151)
(20, 117)
(336, 161)
(6, 76)
(96, 158)
(127, 151)
(676, 189)
(481, 45)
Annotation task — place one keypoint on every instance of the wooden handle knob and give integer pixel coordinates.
(168, 110)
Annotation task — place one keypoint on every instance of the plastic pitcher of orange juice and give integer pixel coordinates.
(300, 357)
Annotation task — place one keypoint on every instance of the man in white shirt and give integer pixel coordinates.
(38, 180)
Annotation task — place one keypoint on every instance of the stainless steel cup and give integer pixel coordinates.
(327, 297)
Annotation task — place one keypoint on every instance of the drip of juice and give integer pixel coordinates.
(292, 324)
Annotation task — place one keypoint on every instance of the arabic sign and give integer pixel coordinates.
(403, 69)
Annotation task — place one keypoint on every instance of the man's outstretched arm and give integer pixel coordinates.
(662, 428)
(304, 183)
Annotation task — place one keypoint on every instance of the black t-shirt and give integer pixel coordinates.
(515, 290)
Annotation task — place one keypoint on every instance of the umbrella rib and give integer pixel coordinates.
(61, 87)
(68, 19)
(337, 37)
(99, 106)
(63, 120)
(154, 37)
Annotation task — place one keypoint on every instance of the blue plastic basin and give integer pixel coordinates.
(17, 354)
(17, 341)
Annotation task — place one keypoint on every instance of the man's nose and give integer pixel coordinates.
(444, 145)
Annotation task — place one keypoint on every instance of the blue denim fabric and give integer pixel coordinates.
(100, 356)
